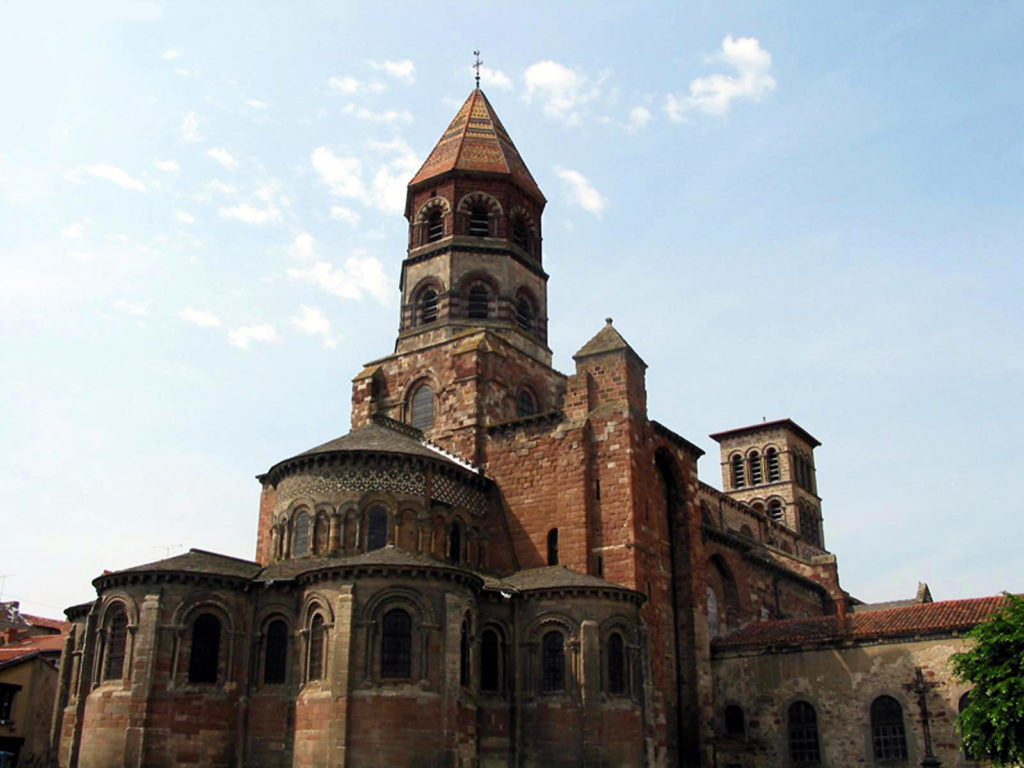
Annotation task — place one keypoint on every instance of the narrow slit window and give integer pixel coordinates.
(616, 664)
(553, 546)
(396, 645)
(735, 723)
(205, 653)
(376, 529)
(317, 631)
(455, 543)
(117, 640)
(464, 654)
(490, 661)
(275, 663)
(300, 535)
(553, 662)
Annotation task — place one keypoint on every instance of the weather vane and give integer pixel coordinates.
(476, 65)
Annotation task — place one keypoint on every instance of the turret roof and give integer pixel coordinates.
(477, 141)
(606, 340)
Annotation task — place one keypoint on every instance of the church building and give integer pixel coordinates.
(502, 564)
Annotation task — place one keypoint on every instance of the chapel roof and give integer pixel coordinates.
(787, 423)
(476, 140)
(943, 617)
(386, 557)
(195, 561)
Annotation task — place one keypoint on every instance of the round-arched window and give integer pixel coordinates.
(421, 407)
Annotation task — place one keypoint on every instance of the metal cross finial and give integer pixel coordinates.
(476, 65)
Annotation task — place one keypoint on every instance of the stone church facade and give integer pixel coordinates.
(504, 565)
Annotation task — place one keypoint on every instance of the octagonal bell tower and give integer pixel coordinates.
(474, 255)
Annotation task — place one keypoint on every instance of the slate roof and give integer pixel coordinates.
(476, 140)
(807, 436)
(552, 577)
(196, 561)
(385, 556)
(607, 340)
(382, 436)
(905, 621)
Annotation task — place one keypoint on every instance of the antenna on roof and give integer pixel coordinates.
(476, 65)
(168, 547)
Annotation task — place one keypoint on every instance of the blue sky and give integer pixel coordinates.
(803, 210)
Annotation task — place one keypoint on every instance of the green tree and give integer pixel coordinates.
(992, 723)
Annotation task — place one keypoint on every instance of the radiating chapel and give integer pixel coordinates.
(502, 564)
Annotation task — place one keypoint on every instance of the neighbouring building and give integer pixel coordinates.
(30, 648)
(505, 565)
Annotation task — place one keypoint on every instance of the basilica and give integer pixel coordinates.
(502, 564)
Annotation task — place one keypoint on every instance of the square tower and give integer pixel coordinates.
(770, 466)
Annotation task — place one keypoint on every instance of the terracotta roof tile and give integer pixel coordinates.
(197, 561)
(45, 623)
(477, 141)
(921, 619)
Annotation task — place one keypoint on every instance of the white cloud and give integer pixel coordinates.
(76, 229)
(392, 177)
(312, 320)
(190, 128)
(404, 70)
(200, 317)
(639, 117)
(495, 78)
(359, 275)
(341, 213)
(349, 85)
(133, 308)
(250, 214)
(244, 336)
(563, 91)
(256, 103)
(170, 54)
(183, 217)
(388, 116)
(115, 175)
(341, 174)
(185, 72)
(222, 156)
(385, 190)
(583, 192)
(715, 94)
(303, 247)
(168, 166)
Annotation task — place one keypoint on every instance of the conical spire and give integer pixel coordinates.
(477, 141)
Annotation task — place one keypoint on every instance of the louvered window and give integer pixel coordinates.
(526, 404)
(524, 314)
(428, 306)
(772, 457)
(435, 226)
(738, 477)
(520, 233)
(479, 221)
(422, 403)
(756, 473)
(479, 302)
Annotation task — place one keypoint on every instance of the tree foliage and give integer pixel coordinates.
(992, 722)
